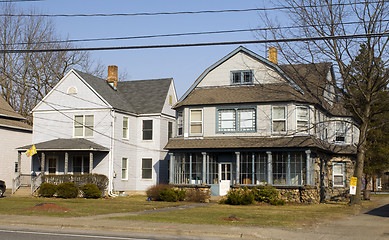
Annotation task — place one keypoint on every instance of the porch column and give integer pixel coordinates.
(204, 167)
(171, 168)
(237, 167)
(308, 167)
(66, 162)
(90, 162)
(269, 168)
(288, 170)
(190, 169)
(43, 162)
(20, 162)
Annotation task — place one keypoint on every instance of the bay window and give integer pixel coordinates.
(302, 119)
(196, 121)
(279, 119)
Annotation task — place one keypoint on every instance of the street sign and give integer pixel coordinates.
(353, 185)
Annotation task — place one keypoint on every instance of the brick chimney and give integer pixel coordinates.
(112, 78)
(273, 55)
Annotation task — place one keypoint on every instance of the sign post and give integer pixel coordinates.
(353, 185)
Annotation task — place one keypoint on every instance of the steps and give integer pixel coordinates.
(23, 191)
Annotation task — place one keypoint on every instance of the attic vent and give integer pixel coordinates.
(72, 90)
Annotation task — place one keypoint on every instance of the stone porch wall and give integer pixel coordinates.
(206, 189)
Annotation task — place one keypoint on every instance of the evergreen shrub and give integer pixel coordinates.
(153, 192)
(90, 190)
(239, 197)
(196, 195)
(172, 195)
(47, 190)
(67, 190)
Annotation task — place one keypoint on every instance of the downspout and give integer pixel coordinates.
(110, 163)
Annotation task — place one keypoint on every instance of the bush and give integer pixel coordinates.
(47, 190)
(239, 197)
(277, 202)
(267, 194)
(196, 195)
(90, 190)
(100, 180)
(153, 192)
(171, 195)
(67, 190)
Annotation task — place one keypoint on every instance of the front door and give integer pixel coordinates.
(224, 178)
(52, 164)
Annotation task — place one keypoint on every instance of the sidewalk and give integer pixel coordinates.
(371, 225)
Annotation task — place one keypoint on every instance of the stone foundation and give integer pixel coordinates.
(299, 194)
(206, 189)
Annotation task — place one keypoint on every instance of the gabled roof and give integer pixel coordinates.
(73, 144)
(139, 97)
(11, 119)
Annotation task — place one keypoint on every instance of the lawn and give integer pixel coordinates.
(79, 206)
(257, 215)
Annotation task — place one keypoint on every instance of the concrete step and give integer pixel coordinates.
(21, 192)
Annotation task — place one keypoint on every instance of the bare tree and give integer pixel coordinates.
(360, 63)
(25, 78)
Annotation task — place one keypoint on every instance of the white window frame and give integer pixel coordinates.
(143, 130)
(126, 128)
(180, 123)
(125, 169)
(83, 125)
(343, 174)
(196, 122)
(279, 119)
(236, 120)
(303, 131)
(341, 133)
(143, 168)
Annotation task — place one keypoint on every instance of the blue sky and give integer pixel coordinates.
(183, 64)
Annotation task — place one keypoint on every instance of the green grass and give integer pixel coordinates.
(79, 206)
(257, 215)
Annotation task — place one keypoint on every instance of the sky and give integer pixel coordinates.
(184, 65)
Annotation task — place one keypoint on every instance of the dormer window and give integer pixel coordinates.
(242, 77)
(340, 131)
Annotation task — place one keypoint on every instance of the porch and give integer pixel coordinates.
(62, 156)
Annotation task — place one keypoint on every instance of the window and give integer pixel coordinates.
(180, 123)
(124, 169)
(147, 168)
(338, 174)
(147, 129)
(279, 119)
(196, 121)
(302, 119)
(72, 90)
(169, 130)
(242, 77)
(236, 120)
(125, 128)
(83, 125)
(253, 169)
(170, 100)
(340, 131)
(16, 167)
(80, 164)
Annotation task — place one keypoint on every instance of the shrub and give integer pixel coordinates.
(196, 195)
(100, 180)
(277, 202)
(90, 190)
(239, 197)
(172, 195)
(265, 194)
(153, 192)
(67, 190)
(47, 190)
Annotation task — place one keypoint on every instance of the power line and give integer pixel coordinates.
(181, 12)
(183, 34)
(16, 1)
(366, 35)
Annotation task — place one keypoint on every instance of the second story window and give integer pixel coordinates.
(125, 127)
(147, 130)
(169, 130)
(236, 120)
(196, 121)
(302, 119)
(180, 123)
(83, 125)
(279, 119)
(242, 77)
(340, 131)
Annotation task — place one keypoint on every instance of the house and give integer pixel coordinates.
(247, 121)
(86, 124)
(14, 132)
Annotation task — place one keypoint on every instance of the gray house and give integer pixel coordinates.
(117, 128)
(13, 132)
(247, 121)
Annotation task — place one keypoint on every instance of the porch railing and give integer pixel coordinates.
(16, 183)
(36, 182)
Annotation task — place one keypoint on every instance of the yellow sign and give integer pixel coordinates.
(353, 181)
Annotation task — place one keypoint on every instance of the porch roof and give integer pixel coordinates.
(73, 144)
(258, 142)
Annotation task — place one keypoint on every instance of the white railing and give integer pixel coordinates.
(36, 181)
(16, 183)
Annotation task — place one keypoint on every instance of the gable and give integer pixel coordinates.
(72, 92)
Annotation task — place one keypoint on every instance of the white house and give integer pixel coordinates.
(13, 133)
(247, 121)
(86, 124)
